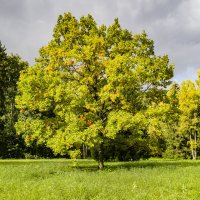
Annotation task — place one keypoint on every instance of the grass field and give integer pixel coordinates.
(66, 179)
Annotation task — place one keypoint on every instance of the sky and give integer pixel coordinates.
(174, 25)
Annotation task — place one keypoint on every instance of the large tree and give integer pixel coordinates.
(89, 84)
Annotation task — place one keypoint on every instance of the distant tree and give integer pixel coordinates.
(163, 126)
(176, 145)
(190, 117)
(89, 85)
(3, 66)
(10, 67)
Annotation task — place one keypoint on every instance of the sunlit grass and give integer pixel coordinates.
(66, 179)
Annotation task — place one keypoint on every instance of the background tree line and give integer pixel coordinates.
(12, 145)
(99, 91)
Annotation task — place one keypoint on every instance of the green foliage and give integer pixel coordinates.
(97, 82)
(189, 118)
(99, 88)
(10, 67)
(176, 121)
(189, 103)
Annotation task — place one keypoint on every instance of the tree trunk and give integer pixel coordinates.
(195, 147)
(191, 146)
(193, 155)
(84, 151)
(101, 161)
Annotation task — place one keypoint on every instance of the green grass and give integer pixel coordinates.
(66, 179)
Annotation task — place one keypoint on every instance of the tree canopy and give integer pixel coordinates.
(89, 84)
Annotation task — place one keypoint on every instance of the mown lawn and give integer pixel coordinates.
(66, 179)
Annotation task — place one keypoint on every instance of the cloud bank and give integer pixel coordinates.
(27, 25)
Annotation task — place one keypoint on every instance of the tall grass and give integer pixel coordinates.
(66, 179)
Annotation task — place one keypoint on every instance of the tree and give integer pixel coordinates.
(189, 118)
(10, 67)
(89, 84)
(3, 64)
(163, 127)
(175, 141)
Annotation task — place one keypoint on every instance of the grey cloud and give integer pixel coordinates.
(12, 9)
(174, 25)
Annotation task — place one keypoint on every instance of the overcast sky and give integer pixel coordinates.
(174, 25)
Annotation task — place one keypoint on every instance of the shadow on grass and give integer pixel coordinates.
(140, 164)
(91, 165)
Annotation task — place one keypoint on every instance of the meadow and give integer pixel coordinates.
(67, 179)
